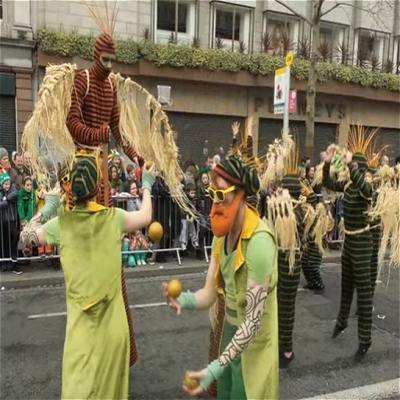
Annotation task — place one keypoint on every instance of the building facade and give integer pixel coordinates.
(205, 103)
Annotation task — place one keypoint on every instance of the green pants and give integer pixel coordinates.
(376, 237)
(230, 385)
(356, 274)
(287, 292)
(311, 266)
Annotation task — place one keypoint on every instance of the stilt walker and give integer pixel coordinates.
(78, 110)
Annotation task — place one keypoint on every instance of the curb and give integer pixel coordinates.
(130, 274)
(149, 272)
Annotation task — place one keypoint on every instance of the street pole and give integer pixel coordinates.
(286, 106)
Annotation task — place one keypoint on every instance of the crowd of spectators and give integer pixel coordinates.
(21, 198)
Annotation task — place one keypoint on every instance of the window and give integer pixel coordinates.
(281, 33)
(175, 21)
(227, 25)
(372, 48)
(166, 13)
(231, 27)
(333, 42)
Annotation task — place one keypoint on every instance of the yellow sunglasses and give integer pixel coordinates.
(219, 195)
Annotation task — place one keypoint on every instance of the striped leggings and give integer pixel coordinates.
(376, 237)
(287, 292)
(356, 274)
(311, 264)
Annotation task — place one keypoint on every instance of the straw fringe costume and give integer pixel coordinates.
(289, 272)
(312, 252)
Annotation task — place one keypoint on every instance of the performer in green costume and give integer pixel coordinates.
(96, 348)
(357, 247)
(247, 365)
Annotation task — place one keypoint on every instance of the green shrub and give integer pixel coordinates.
(177, 56)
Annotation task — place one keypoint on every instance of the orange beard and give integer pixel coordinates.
(223, 216)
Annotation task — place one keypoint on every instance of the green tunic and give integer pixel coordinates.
(255, 374)
(96, 348)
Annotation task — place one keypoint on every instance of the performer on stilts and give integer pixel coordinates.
(357, 247)
(247, 364)
(79, 109)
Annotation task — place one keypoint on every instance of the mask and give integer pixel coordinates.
(223, 216)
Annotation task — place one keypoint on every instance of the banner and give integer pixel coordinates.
(279, 90)
(293, 101)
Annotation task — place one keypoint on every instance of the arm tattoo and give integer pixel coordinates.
(255, 303)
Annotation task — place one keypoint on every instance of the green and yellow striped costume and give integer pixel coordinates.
(357, 248)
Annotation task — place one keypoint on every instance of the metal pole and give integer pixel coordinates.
(286, 106)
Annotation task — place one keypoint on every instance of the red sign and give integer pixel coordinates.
(292, 101)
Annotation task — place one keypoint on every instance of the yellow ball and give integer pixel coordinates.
(174, 288)
(190, 383)
(155, 231)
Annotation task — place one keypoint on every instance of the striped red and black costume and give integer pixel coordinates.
(93, 114)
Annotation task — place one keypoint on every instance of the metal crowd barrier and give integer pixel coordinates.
(165, 211)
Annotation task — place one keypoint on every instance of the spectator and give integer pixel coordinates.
(188, 224)
(203, 185)
(115, 181)
(26, 201)
(40, 195)
(203, 206)
(18, 171)
(117, 161)
(216, 160)
(310, 172)
(4, 160)
(134, 203)
(130, 176)
(384, 160)
(27, 163)
(322, 156)
(8, 223)
(191, 171)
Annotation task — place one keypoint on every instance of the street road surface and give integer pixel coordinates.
(33, 324)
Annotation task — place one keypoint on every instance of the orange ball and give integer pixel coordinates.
(155, 231)
(190, 383)
(174, 288)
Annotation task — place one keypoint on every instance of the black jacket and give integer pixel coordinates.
(8, 204)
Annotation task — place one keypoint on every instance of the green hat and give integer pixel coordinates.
(4, 177)
(361, 160)
(84, 177)
(237, 172)
(292, 183)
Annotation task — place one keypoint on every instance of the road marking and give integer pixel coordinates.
(381, 390)
(149, 305)
(60, 314)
